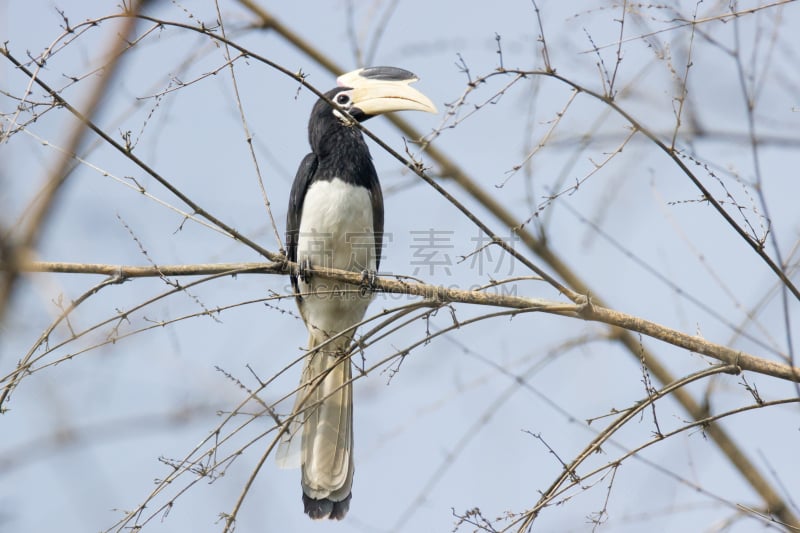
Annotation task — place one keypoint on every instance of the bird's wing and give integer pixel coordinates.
(302, 180)
(289, 449)
(377, 222)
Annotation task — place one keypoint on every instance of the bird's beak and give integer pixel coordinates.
(378, 90)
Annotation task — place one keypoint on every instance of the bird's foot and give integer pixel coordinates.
(304, 270)
(369, 280)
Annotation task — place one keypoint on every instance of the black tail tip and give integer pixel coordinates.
(325, 508)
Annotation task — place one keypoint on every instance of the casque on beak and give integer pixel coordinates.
(377, 90)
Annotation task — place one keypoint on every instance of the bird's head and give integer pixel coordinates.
(363, 94)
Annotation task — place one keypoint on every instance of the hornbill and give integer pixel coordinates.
(335, 220)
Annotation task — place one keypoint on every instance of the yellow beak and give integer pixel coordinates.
(378, 90)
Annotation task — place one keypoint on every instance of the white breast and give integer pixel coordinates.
(336, 231)
(336, 226)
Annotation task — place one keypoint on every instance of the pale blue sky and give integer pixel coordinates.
(82, 440)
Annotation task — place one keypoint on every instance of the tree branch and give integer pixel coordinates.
(586, 310)
(63, 167)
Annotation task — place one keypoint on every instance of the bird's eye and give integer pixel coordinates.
(343, 99)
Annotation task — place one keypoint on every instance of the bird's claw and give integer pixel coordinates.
(304, 270)
(369, 279)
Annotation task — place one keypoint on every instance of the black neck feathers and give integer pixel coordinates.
(340, 148)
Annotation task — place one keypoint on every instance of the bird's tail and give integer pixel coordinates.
(327, 444)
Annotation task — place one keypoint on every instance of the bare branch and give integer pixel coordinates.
(586, 310)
